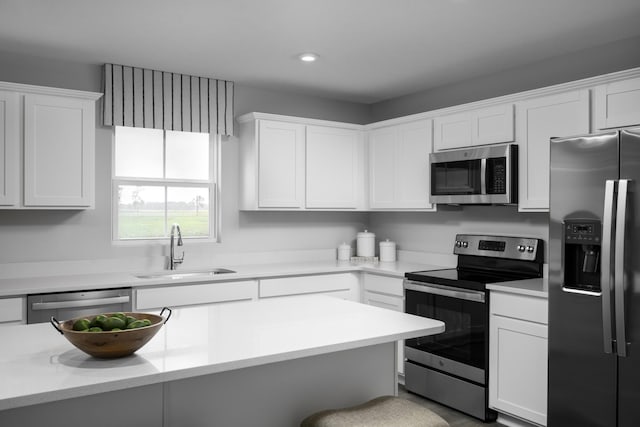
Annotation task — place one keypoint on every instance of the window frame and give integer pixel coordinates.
(213, 184)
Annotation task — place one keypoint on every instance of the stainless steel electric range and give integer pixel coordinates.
(452, 368)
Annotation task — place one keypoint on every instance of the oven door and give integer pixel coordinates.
(462, 349)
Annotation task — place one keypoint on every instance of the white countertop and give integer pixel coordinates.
(39, 365)
(44, 284)
(532, 287)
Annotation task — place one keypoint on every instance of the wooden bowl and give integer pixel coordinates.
(112, 344)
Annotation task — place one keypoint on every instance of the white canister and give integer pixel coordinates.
(387, 251)
(344, 252)
(366, 244)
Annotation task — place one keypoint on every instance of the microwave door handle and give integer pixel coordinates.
(483, 176)
(605, 270)
(618, 275)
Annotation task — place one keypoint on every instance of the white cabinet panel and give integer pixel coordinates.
(343, 285)
(386, 292)
(538, 120)
(384, 285)
(12, 310)
(494, 125)
(617, 104)
(9, 148)
(453, 131)
(518, 356)
(197, 294)
(59, 158)
(280, 165)
(333, 167)
(489, 125)
(399, 166)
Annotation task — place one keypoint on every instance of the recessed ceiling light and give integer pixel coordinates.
(308, 57)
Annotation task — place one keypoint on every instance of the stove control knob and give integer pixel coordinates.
(458, 243)
(530, 249)
(465, 244)
(521, 248)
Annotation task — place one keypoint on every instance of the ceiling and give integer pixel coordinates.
(370, 50)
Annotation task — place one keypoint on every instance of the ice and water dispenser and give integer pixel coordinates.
(582, 244)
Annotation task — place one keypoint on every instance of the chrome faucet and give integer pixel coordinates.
(173, 261)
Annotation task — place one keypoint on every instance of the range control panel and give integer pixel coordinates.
(521, 248)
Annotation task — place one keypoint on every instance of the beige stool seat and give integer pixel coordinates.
(385, 411)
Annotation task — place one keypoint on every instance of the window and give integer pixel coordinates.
(162, 177)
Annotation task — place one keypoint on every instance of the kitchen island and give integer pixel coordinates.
(269, 362)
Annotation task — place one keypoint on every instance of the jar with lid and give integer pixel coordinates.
(366, 245)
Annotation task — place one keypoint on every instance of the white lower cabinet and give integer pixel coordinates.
(342, 285)
(518, 356)
(13, 310)
(196, 294)
(386, 292)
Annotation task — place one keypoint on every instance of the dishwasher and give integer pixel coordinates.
(69, 305)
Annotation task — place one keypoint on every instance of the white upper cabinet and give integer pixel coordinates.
(489, 125)
(617, 104)
(280, 165)
(334, 167)
(539, 120)
(9, 149)
(399, 173)
(47, 147)
(59, 157)
(288, 163)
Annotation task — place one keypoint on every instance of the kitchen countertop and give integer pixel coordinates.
(34, 285)
(38, 365)
(532, 287)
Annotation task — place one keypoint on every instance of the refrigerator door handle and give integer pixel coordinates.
(619, 274)
(605, 265)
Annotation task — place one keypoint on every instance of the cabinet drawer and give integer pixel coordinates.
(342, 283)
(12, 310)
(383, 284)
(384, 301)
(206, 293)
(523, 307)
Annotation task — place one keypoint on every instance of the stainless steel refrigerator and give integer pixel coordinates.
(594, 280)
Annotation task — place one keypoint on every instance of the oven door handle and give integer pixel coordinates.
(465, 294)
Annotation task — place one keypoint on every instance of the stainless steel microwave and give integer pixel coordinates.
(479, 175)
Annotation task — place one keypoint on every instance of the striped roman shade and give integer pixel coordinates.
(139, 97)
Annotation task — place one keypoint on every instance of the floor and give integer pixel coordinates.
(453, 417)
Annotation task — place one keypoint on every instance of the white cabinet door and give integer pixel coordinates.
(518, 368)
(489, 125)
(342, 285)
(59, 145)
(617, 104)
(13, 310)
(538, 120)
(333, 167)
(453, 131)
(494, 125)
(386, 292)
(197, 294)
(9, 148)
(280, 164)
(399, 166)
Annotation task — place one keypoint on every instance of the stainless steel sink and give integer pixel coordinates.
(173, 275)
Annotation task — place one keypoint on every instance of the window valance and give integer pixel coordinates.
(140, 97)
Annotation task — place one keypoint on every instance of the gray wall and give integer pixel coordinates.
(33, 236)
(617, 56)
